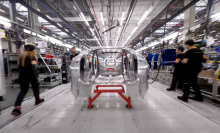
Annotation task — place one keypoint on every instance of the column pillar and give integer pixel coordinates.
(189, 16)
(33, 19)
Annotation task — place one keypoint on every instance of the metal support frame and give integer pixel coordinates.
(56, 14)
(130, 11)
(208, 14)
(169, 19)
(119, 91)
(43, 16)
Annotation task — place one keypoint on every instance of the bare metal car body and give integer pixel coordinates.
(129, 69)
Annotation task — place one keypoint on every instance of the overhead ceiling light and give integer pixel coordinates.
(102, 18)
(135, 28)
(66, 30)
(73, 34)
(49, 17)
(38, 9)
(20, 19)
(84, 19)
(216, 15)
(143, 17)
(92, 31)
(2, 10)
(104, 31)
(59, 25)
(122, 18)
(27, 31)
(74, 7)
(119, 30)
(44, 30)
(34, 34)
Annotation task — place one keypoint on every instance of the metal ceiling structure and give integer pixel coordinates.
(105, 22)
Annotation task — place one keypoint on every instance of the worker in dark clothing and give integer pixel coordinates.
(193, 65)
(178, 70)
(28, 74)
(73, 54)
(145, 55)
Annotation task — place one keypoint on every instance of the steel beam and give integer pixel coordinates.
(169, 19)
(47, 6)
(130, 11)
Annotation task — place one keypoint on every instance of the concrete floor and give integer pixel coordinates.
(158, 112)
(12, 92)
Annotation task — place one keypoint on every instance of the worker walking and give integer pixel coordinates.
(193, 65)
(178, 70)
(28, 74)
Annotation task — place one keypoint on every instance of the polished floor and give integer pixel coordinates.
(158, 112)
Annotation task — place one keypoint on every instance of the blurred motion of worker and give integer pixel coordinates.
(178, 70)
(73, 53)
(90, 61)
(28, 74)
(145, 55)
(193, 65)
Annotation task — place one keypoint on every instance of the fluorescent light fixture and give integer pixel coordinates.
(34, 34)
(66, 30)
(74, 7)
(143, 17)
(5, 23)
(59, 25)
(84, 19)
(216, 15)
(153, 44)
(40, 36)
(44, 30)
(20, 19)
(128, 38)
(73, 34)
(102, 18)
(92, 31)
(2, 10)
(119, 30)
(122, 18)
(27, 31)
(4, 19)
(171, 36)
(38, 9)
(135, 28)
(104, 31)
(49, 17)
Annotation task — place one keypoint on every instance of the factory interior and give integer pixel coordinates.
(107, 66)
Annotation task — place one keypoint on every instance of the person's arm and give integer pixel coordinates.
(204, 57)
(34, 66)
(178, 58)
(186, 57)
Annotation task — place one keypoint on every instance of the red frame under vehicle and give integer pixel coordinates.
(119, 91)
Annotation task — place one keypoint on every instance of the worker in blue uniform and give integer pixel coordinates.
(178, 70)
(193, 65)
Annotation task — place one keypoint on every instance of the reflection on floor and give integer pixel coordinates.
(156, 113)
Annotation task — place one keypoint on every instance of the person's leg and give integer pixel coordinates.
(186, 88)
(24, 85)
(196, 88)
(180, 81)
(35, 86)
(174, 81)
